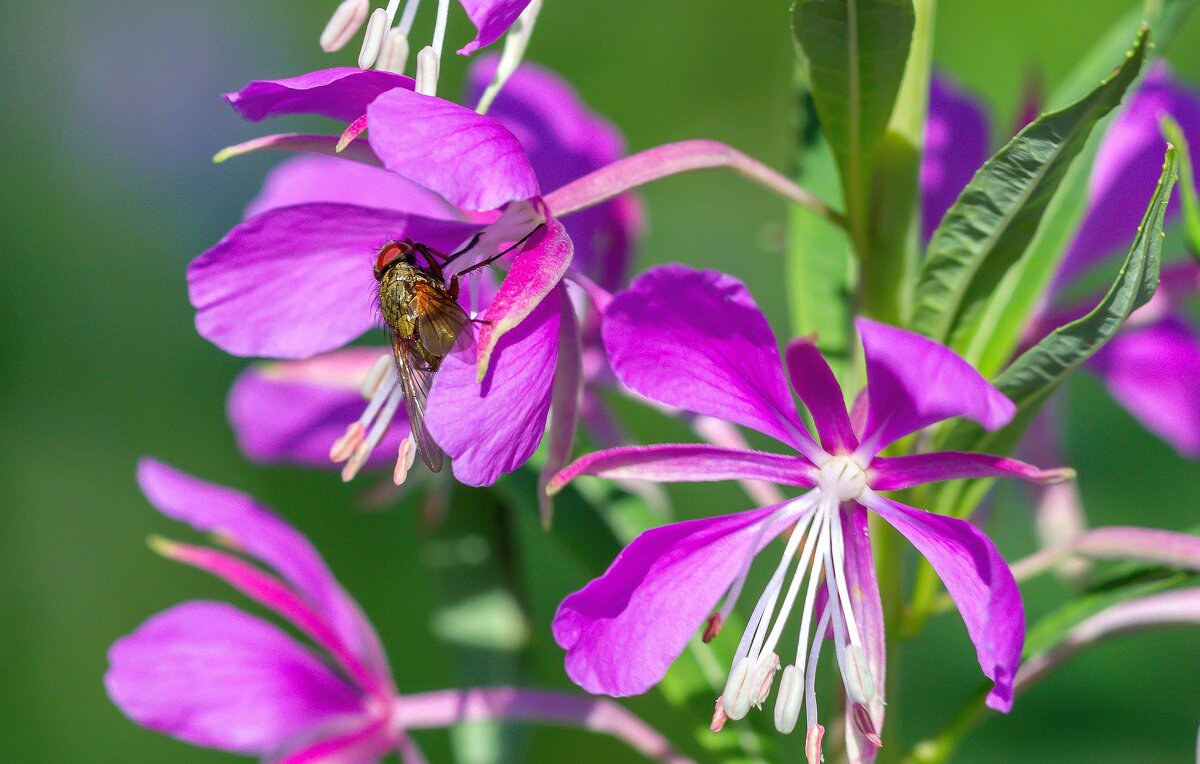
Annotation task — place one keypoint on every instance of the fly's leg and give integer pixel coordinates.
(455, 255)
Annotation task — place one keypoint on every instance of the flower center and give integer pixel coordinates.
(842, 477)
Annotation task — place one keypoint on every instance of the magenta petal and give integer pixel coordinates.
(696, 340)
(863, 586)
(297, 281)
(978, 581)
(956, 145)
(492, 18)
(210, 674)
(294, 411)
(896, 472)
(818, 388)
(913, 382)
(688, 463)
(342, 93)
(363, 745)
(1154, 371)
(536, 270)
(1127, 168)
(494, 427)
(316, 178)
(468, 158)
(623, 629)
(255, 530)
(566, 400)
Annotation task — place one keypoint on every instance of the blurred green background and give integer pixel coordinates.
(110, 116)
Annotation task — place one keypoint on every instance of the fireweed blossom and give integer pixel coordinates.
(1152, 367)
(287, 283)
(696, 340)
(215, 676)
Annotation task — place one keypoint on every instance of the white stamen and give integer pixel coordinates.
(813, 540)
(810, 674)
(839, 563)
(736, 698)
(378, 373)
(515, 44)
(789, 700)
(427, 71)
(394, 56)
(856, 675)
(439, 28)
(404, 460)
(409, 15)
(812, 744)
(378, 429)
(392, 7)
(739, 581)
(344, 24)
(373, 38)
(762, 678)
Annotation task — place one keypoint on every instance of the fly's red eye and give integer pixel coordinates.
(390, 254)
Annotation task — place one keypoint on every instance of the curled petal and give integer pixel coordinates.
(495, 426)
(212, 675)
(696, 340)
(956, 145)
(1145, 545)
(297, 281)
(913, 382)
(1154, 371)
(256, 531)
(818, 388)
(306, 179)
(538, 268)
(294, 411)
(342, 93)
(623, 629)
(492, 18)
(863, 586)
(977, 579)
(895, 472)
(687, 463)
(468, 158)
(566, 401)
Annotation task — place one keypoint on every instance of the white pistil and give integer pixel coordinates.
(373, 38)
(427, 71)
(347, 19)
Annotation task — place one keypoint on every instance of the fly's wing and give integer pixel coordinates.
(440, 320)
(415, 382)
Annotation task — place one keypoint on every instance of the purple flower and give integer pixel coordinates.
(293, 279)
(215, 676)
(1151, 367)
(696, 340)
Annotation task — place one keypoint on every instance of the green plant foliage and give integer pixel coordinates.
(1187, 189)
(998, 213)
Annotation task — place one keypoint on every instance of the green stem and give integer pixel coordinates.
(940, 747)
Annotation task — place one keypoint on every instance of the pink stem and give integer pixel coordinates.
(442, 708)
(672, 159)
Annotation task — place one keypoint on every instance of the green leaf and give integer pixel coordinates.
(1040, 370)
(998, 213)
(1191, 205)
(854, 52)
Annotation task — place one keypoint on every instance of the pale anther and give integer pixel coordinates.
(859, 682)
(373, 38)
(790, 699)
(427, 71)
(394, 56)
(343, 25)
(379, 372)
(736, 697)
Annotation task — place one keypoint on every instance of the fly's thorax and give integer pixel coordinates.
(396, 299)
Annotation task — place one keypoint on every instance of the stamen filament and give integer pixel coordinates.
(409, 15)
(439, 28)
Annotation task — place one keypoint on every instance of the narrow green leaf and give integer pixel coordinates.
(1191, 204)
(997, 215)
(854, 52)
(1040, 370)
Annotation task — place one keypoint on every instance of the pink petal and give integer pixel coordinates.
(470, 159)
(687, 463)
(342, 93)
(956, 145)
(863, 586)
(623, 629)
(818, 388)
(537, 269)
(294, 411)
(255, 530)
(978, 581)
(495, 426)
(316, 178)
(565, 403)
(896, 472)
(1154, 371)
(913, 382)
(363, 745)
(212, 675)
(696, 340)
(492, 18)
(297, 281)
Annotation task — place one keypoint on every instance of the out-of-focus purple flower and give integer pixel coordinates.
(215, 676)
(696, 340)
(1150, 367)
